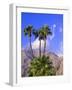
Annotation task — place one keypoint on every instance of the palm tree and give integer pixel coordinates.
(40, 35)
(28, 31)
(45, 31)
(40, 38)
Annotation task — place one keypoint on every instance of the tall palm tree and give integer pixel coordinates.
(28, 31)
(42, 33)
(41, 37)
(39, 33)
(46, 31)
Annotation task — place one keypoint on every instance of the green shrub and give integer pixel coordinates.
(41, 66)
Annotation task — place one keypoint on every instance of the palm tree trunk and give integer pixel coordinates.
(40, 49)
(44, 47)
(31, 48)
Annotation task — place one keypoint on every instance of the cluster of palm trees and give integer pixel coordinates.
(42, 34)
(42, 65)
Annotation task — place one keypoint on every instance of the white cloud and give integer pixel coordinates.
(53, 31)
(35, 44)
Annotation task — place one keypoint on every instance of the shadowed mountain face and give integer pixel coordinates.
(26, 57)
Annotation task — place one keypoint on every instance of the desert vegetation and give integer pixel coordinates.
(41, 65)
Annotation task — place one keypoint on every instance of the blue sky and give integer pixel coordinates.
(55, 22)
